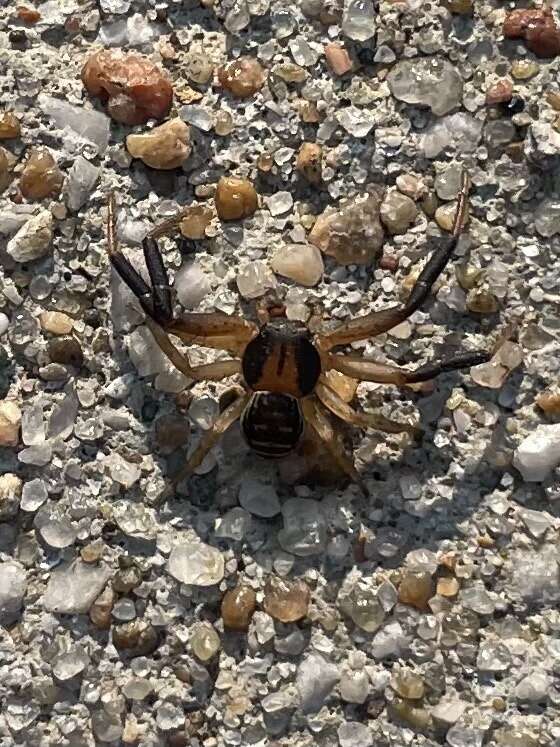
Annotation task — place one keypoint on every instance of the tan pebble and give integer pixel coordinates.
(9, 126)
(10, 420)
(131, 732)
(309, 113)
(5, 168)
(445, 216)
(223, 124)
(481, 301)
(164, 147)
(408, 684)
(499, 92)
(56, 322)
(243, 77)
(461, 7)
(338, 58)
(449, 560)
(412, 186)
(135, 89)
(309, 162)
(138, 638)
(430, 204)
(397, 212)
(41, 176)
(284, 600)
(499, 704)
(235, 198)
(467, 275)
(238, 606)
(100, 610)
(447, 587)
(553, 98)
(484, 540)
(265, 162)
(92, 552)
(300, 262)
(418, 718)
(187, 95)
(196, 220)
(524, 69)
(416, 588)
(549, 402)
(289, 72)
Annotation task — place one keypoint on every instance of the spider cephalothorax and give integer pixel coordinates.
(281, 365)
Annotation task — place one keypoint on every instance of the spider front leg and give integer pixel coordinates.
(215, 330)
(378, 322)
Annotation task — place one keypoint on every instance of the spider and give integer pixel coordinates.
(281, 364)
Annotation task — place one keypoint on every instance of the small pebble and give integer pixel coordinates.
(205, 641)
(196, 220)
(397, 212)
(416, 588)
(10, 421)
(537, 26)
(136, 638)
(238, 606)
(499, 92)
(135, 89)
(309, 162)
(243, 77)
(56, 322)
(284, 600)
(235, 198)
(34, 238)
(549, 401)
(10, 127)
(41, 176)
(300, 262)
(165, 147)
(338, 58)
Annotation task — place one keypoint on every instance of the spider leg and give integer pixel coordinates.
(232, 413)
(316, 417)
(382, 373)
(216, 330)
(342, 410)
(378, 322)
(208, 372)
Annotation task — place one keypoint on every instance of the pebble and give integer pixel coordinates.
(242, 77)
(10, 493)
(364, 608)
(235, 198)
(10, 126)
(309, 162)
(34, 238)
(164, 147)
(302, 263)
(259, 498)
(196, 564)
(70, 664)
(397, 212)
(284, 600)
(537, 26)
(549, 402)
(408, 684)
(196, 220)
(198, 66)
(315, 679)
(254, 279)
(56, 322)
(338, 58)
(447, 712)
(358, 21)
(238, 607)
(353, 234)
(279, 203)
(66, 350)
(80, 181)
(41, 176)
(58, 534)
(137, 638)
(13, 585)
(447, 587)
(499, 92)
(205, 641)
(305, 531)
(107, 727)
(73, 587)
(10, 421)
(428, 81)
(87, 124)
(416, 589)
(539, 453)
(135, 89)
(100, 610)
(354, 734)
(445, 216)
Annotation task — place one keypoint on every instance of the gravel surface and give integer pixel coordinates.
(260, 603)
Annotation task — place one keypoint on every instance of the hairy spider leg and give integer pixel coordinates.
(378, 322)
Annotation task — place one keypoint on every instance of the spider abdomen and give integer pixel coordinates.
(272, 424)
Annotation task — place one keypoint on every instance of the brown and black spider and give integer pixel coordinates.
(281, 364)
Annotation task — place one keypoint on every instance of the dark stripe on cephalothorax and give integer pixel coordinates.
(308, 364)
(254, 358)
(281, 359)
